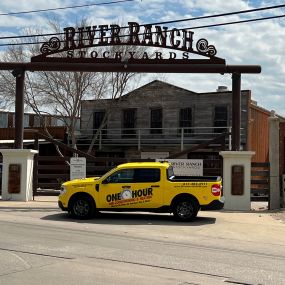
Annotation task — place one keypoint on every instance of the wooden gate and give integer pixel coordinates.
(260, 181)
(51, 171)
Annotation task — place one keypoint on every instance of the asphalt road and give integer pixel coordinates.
(39, 244)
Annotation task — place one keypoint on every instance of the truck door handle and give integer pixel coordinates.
(126, 186)
(155, 186)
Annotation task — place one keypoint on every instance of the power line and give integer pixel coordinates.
(221, 15)
(64, 8)
(191, 28)
(161, 23)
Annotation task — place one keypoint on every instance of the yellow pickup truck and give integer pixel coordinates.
(142, 186)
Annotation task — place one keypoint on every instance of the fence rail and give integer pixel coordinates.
(152, 136)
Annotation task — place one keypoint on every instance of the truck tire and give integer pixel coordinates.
(185, 210)
(82, 207)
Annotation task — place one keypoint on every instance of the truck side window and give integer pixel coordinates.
(147, 175)
(122, 176)
(170, 172)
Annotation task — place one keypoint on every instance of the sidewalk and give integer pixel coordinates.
(51, 202)
(40, 201)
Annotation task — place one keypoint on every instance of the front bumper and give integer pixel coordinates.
(61, 206)
(214, 205)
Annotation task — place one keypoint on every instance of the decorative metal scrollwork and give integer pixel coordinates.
(204, 48)
(52, 45)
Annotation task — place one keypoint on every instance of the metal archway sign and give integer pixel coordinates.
(76, 50)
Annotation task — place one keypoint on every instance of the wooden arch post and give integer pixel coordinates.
(19, 74)
(236, 110)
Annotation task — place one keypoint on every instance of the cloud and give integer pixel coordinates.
(260, 43)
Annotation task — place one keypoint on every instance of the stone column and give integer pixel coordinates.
(17, 176)
(274, 191)
(236, 179)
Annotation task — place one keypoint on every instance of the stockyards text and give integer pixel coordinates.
(76, 42)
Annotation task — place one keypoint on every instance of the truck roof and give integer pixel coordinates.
(144, 164)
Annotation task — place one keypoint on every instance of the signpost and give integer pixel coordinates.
(77, 168)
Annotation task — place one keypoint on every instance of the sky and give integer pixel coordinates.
(255, 43)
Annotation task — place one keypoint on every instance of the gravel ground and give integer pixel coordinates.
(262, 207)
(280, 215)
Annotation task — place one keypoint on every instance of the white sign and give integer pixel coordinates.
(77, 168)
(186, 167)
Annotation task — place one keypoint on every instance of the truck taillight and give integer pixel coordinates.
(216, 189)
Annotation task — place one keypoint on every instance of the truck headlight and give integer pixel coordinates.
(62, 190)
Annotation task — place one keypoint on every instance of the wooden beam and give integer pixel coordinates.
(165, 67)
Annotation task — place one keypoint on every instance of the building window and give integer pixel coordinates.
(220, 119)
(129, 122)
(156, 121)
(98, 117)
(185, 120)
(3, 120)
(26, 120)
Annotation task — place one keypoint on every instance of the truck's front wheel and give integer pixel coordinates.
(81, 207)
(185, 210)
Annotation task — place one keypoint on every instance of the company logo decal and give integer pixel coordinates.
(129, 197)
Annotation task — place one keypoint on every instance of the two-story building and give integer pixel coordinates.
(164, 119)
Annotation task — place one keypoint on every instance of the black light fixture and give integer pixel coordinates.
(18, 72)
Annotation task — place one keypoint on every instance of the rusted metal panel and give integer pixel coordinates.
(14, 179)
(237, 180)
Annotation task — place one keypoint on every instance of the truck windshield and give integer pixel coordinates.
(170, 172)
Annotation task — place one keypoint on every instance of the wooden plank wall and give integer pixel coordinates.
(282, 148)
(258, 140)
(9, 133)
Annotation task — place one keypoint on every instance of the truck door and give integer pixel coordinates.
(132, 188)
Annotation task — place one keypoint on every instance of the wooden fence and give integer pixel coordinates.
(51, 171)
(260, 181)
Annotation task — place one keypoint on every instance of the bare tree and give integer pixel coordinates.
(61, 93)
